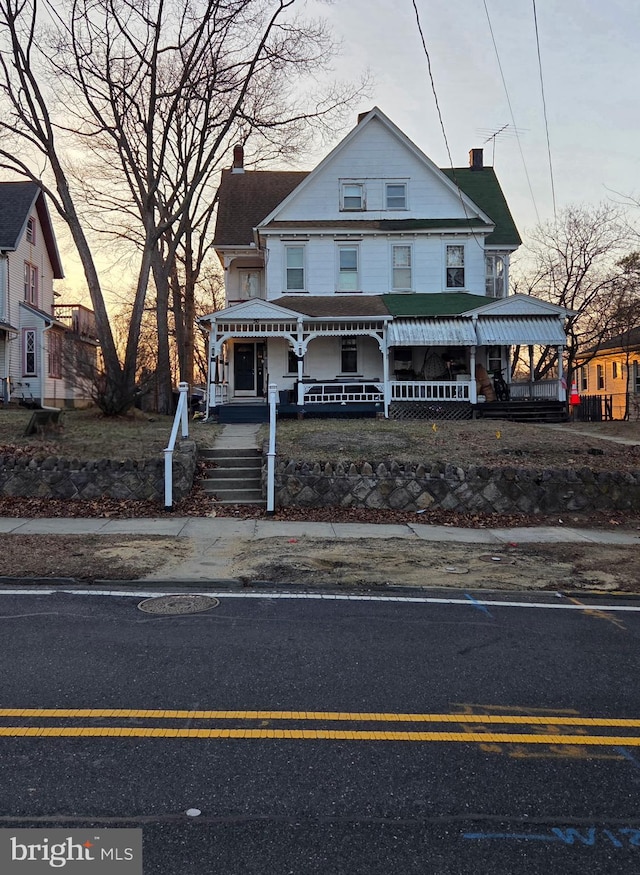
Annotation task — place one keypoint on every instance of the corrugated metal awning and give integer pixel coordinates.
(431, 332)
(520, 330)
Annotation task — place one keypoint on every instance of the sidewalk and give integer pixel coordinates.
(212, 537)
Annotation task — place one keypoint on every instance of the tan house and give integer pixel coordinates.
(612, 374)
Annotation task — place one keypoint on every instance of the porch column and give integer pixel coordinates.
(562, 383)
(385, 377)
(213, 364)
(300, 400)
(531, 380)
(473, 390)
(300, 351)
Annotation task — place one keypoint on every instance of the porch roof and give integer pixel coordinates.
(520, 330)
(436, 304)
(432, 332)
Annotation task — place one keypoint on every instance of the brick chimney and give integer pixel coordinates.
(238, 159)
(475, 159)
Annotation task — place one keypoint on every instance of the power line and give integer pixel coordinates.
(506, 91)
(444, 133)
(544, 109)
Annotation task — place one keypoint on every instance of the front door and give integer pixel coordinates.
(244, 369)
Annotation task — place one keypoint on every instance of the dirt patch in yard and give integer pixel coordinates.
(88, 557)
(403, 562)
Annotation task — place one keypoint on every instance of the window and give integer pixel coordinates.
(31, 230)
(401, 267)
(30, 283)
(584, 378)
(352, 196)
(292, 362)
(249, 283)
(348, 269)
(455, 267)
(55, 354)
(295, 268)
(600, 376)
(29, 352)
(396, 195)
(494, 359)
(349, 356)
(494, 276)
(614, 366)
(636, 378)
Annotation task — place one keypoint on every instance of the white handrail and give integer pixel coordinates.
(271, 455)
(181, 418)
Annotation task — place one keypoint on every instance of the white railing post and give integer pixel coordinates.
(181, 418)
(271, 455)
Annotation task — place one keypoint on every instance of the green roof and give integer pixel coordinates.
(483, 188)
(440, 304)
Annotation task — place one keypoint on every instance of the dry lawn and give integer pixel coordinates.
(478, 442)
(87, 434)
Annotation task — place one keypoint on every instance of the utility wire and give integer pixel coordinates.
(506, 91)
(444, 133)
(544, 109)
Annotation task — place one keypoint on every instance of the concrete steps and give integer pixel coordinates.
(233, 476)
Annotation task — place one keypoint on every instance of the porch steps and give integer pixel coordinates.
(523, 411)
(233, 476)
(231, 413)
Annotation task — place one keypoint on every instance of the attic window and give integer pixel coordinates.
(352, 196)
(31, 230)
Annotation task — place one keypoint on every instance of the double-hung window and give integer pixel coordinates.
(29, 352)
(31, 283)
(352, 196)
(455, 267)
(348, 269)
(396, 195)
(600, 380)
(294, 256)
(55, 354)
(494, 276)
(401, 279)
(584, 378)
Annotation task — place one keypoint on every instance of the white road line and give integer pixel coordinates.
(331, 597)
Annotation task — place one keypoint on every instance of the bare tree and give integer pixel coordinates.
(572, 263)
(150, 96)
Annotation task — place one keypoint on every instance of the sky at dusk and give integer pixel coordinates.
(591, 72)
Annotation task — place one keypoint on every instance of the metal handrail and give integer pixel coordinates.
(181, 417)
(271, 455)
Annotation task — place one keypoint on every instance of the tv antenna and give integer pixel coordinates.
(491, 135)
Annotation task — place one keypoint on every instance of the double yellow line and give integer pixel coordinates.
(499, 732)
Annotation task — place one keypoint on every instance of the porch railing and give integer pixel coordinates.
(442, 390)
(338, 393)
(542, 390)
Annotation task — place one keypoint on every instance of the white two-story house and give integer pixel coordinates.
(40, 341)
(377, 281)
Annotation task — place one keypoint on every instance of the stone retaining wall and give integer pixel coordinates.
(413, 487)
(54, 477)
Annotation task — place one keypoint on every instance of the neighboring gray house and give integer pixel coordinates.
(40, 342)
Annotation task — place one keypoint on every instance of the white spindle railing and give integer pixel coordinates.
(543, 390)
(441, 390)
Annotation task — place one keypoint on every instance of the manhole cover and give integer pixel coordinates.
(178, 604)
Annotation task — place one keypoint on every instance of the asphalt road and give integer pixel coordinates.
(329, 736)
